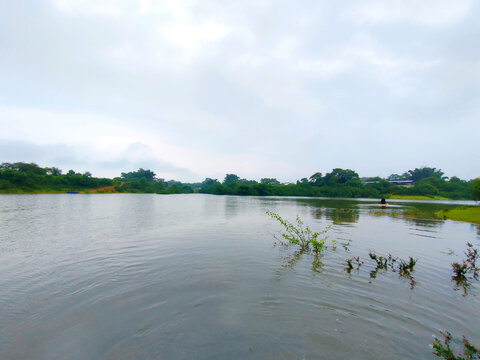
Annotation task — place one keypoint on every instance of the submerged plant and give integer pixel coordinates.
(472, 257)
(444, 350)
(391, 262)
(460, 277)
(349, 265)
(301, 235)
(373, 273)
(380, 260)
(468, 266)
(351, 262)
(334, 245)
(405, 268)
(346, 245)
(305, 240)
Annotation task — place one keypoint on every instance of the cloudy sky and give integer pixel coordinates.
(261, 88)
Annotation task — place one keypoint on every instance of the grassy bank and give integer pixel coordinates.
(417, 197)
(464, 213)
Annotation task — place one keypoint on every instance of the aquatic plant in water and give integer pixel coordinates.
(444, 350)
(353, 261)
(468, 266)
(308, 241)
(301, 235)
(380, 260)
(405, 268)
(472, 257)
(346, 245)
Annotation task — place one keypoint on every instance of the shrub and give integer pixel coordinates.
(301, 235)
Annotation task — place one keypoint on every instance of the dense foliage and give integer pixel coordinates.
(27, 178)
(23, 177)
(30, 178)
(347, 183)
(475, 186)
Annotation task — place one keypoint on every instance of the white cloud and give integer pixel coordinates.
(190, 37)
(323, 68)
(94, 140)
(110, 8)
(261, 88)
(429, 12)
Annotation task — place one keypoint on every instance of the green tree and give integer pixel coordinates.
(211, 186)
(209, 182)
(476, 189)
(269, 181)
(341, 176)
(396, 177)
(149, 175)
(244, 190)
(53, 171)
(425, 172)
(230, 179)
(23, 167)
(263, 189)
(246, 182)
(316, 179)
(425, 187)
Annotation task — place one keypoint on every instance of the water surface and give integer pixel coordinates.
(126, 276)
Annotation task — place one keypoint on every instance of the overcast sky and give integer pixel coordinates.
(261, 88)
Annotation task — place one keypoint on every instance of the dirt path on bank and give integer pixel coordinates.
(105, 189)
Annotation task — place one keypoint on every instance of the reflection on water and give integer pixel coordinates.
(197, 276)
(342, 216)
(231, 207)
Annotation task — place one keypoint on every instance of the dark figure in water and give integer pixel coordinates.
(383, 202)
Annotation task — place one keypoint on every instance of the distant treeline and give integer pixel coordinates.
(23, 177)
(347, 183)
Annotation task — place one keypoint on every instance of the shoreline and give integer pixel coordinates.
(469, 214)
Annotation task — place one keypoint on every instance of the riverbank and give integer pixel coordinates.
(464, 213)
(417, 197)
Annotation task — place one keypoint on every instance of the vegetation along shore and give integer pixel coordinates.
(424, 183)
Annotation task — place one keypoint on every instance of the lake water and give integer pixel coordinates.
(127, 276)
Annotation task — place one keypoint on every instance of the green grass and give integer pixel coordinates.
(464, 213)
(418, 197)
